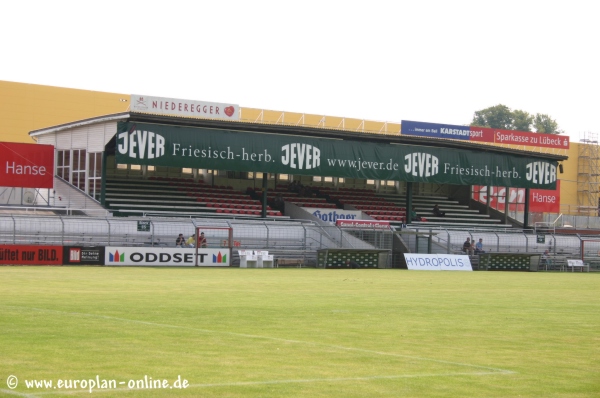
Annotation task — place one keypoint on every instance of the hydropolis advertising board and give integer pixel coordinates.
(162, 257)
(204, 148)
(438, 262)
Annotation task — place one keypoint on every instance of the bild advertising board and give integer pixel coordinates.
(165, 257)
(83, 255)
(31, 255)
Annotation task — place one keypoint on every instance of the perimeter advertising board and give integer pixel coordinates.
(31, 255)
(164, 257)
(332, 215)
(182, 107)
(484, 134)
(437, 262)
(26, 165)
(363, 224)
(203, 148)
(83, 255)
(540, 200)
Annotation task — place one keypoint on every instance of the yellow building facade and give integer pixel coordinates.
(26, 107)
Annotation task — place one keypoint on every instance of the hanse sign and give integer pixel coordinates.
(484, 134)
(26, 165)
(540, 200)
(181, 107)
(161, 145)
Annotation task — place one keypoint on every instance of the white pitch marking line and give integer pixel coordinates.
(267, 338)
(18, 394)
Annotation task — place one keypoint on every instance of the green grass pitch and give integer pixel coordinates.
(298, 332)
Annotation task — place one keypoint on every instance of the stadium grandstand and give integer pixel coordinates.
(291, 188)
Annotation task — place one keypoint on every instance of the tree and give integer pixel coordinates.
(545, 124)
(497, 117)
(522, 120)
(502, 117)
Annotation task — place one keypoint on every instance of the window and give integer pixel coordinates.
(63, 165)
(370, 182)
(186, 170)
(79, 169)
(317, 178)
(94, 174)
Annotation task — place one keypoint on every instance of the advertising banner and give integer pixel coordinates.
(161, 145)
(26, 165)
(83, 255)
(484, 134)
(540, 200)
(182, 107)
(163, 257)
(332, 215)
(363, 224)
(31, 255)
(438, 262)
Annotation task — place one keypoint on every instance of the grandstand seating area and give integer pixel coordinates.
(161, 196)
(304, 198)
(186, 197)
(456, 215)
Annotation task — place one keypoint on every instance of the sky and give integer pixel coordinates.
(428, 61)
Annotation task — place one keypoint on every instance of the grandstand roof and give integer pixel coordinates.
(305, 131)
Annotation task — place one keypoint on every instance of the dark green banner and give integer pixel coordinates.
(160, 145)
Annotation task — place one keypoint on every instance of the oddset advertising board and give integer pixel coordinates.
(26, 165)
(165, 257)
(437, 262)
(484, 134)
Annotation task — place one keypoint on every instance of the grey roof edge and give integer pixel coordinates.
(295, 130)
(79, 123)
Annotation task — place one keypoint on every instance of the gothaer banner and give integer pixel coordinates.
(219, 149)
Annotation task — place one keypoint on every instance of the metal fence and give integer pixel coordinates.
(450, 241)
(131, 231)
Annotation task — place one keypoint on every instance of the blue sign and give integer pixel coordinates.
(435, 130)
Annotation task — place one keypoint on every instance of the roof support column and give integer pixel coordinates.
(103, 179)
(526, 210)
(409, 194)
(265, 185)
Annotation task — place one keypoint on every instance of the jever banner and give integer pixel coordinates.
(160, 145)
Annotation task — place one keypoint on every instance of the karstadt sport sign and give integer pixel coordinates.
(204, 148)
